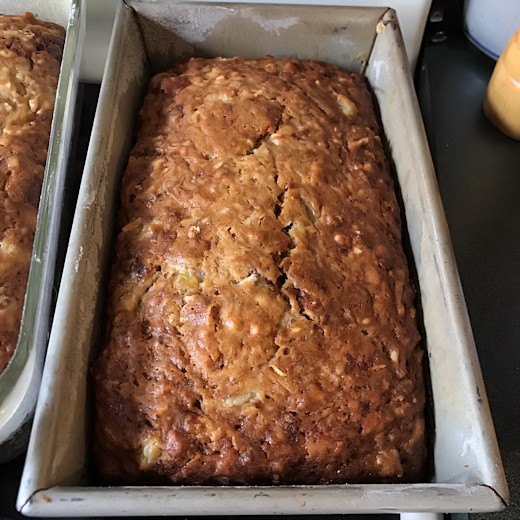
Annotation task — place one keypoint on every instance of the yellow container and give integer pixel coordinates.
(502, 102)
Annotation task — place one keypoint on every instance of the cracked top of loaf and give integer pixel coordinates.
(30, 58)
(261, 321)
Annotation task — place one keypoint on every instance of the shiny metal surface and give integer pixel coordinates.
(468, 467)
(20, 381)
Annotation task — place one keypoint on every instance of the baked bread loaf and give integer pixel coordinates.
(261, 321)
(30, 52)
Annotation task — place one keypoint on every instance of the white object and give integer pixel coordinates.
(421, 516)
(412, 17)
(489, 24)
(469, 473)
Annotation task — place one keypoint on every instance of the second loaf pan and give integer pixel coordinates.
(20, 381)
(148, 37)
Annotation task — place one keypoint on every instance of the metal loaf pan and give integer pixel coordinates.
(20, 381)
(148, 37)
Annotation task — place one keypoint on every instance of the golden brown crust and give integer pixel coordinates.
(261, 319)
(30, 56)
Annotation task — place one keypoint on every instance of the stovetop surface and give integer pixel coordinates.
(478, 171)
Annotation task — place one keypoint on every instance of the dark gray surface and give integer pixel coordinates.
(479, 177)
(478, 170)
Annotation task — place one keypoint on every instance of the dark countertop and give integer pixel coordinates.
(478, 171)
